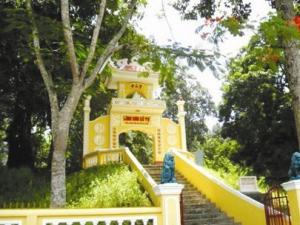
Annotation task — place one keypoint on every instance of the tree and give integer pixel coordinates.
(286, 10)
(84, 69)
(198, 105)
(238, 15)
(217, 156)
(21, 110)
(257, 108)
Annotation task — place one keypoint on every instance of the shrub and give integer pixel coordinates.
(21, 186)
(217, 157)
(111, 185)
(105, 186)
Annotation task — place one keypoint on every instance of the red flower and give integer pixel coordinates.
(297, 21)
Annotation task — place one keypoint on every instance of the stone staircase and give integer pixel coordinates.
(198, 210)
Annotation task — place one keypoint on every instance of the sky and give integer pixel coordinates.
(171, 28)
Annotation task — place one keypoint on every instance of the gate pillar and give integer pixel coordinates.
(170, 202)
(293, 192)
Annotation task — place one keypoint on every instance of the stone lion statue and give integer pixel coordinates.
(167, 174)
(294, 171)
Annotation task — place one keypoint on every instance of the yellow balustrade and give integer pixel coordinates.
(235, 204)
(102, 157)
(187, 154)
(144, 178)
(70, 216)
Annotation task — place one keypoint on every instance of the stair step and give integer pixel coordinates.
(194, 216)
(201, 211)
(198, 210)
(214, 220)
(194, 202)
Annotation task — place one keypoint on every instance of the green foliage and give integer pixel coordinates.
(23, 99)
(217, 157)
(140, 144)
(212, 13)
(233, 25)
(111, 185)
(22, 185)
(276, 29)
(192, 10)
(198, 105)
(3, 145)
(257, 105)
(217, 154)
(105, 186)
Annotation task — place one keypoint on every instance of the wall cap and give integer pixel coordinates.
(168, 189)
(291, 185)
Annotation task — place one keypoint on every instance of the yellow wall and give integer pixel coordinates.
(294, 204)
(36, 216)
(99, 134)
(246, 212)
(164, 132)
(170, 135)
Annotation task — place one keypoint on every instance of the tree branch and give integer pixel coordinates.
(94, 39)
(47, 78)
(111, 47)
(65, 16)
(101, 63)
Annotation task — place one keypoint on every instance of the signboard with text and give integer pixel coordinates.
(248, 184)
(131, 119)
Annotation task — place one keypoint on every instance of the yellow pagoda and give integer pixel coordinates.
(135, 109)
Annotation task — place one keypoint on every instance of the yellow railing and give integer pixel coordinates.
(187, 154)
(80, 216)
(242, 208)
(144, 178)
(102, 157)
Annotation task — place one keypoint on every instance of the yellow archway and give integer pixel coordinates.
(141, 112)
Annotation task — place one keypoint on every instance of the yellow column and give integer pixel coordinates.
(170, 202)
(293, 192)
(181, 120)
(87, 111)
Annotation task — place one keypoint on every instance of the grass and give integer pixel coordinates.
(106, 186)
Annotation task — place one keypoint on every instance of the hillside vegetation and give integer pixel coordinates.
(99, 187)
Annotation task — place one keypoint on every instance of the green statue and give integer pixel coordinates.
(167, 174)
(294, 171)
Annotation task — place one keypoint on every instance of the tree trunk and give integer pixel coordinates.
(58, 174)
(285, 8)
(60, 132)
(293, 64)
